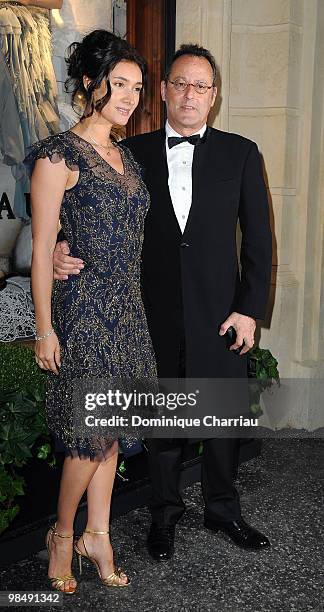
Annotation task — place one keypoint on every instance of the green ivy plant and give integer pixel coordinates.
(23, 429)
(18, 369)
(263, 367)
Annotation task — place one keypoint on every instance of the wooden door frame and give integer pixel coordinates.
(151, 29)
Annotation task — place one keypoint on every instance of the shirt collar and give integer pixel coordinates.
(169, 131)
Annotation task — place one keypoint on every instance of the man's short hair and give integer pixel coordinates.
(194, 51)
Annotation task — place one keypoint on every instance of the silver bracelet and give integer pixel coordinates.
(44, 335)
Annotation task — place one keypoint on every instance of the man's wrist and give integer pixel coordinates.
(243, 314)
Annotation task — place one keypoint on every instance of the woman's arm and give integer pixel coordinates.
(48, 184)
(49, 4)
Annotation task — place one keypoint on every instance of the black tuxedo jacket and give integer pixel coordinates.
(191, 281)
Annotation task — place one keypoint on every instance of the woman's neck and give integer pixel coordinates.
(97, 130)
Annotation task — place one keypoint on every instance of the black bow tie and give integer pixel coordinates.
(175, 140)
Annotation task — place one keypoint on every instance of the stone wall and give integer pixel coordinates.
(271, 59)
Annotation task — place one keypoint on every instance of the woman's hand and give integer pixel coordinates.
(48, 354)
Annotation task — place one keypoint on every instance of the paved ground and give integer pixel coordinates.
(281, 493)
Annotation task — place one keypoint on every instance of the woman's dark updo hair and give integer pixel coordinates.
(95, 57)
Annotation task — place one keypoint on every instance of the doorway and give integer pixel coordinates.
(149, 25)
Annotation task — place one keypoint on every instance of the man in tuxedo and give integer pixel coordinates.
(202, 182)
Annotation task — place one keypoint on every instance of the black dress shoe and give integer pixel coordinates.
(240, 532)
(160, 541)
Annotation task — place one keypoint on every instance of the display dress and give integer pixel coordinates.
(98, 315)
(26, 48)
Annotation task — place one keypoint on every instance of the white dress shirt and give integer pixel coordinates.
(179, 160)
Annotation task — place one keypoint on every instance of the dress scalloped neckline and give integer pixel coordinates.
(98, 154)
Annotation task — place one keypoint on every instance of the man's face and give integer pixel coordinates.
(188, 110)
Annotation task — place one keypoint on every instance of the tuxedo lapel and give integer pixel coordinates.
(200, 171)
(159, 179)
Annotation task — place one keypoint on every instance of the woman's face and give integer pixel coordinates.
(126, 84)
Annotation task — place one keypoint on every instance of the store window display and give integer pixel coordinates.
(28, 113)
(25, 44)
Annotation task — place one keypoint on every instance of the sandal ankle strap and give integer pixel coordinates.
(60, 535)
(98, 532)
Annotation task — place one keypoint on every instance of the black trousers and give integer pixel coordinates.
(218, 471)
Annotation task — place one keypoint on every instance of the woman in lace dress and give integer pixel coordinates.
(92, 326)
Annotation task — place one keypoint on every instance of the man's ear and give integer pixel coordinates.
(214, 97)
(163, 88)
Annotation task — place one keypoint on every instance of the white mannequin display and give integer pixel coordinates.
(25, 43)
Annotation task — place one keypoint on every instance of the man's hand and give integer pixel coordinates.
(64, 265)
(244, 327)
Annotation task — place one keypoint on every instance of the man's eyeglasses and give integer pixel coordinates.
(199, 86)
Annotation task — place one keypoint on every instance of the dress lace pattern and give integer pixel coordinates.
(98, 315)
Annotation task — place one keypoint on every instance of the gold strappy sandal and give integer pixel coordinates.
(113, 580)
(58, 581)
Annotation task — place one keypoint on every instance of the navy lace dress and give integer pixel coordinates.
(98, 315)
